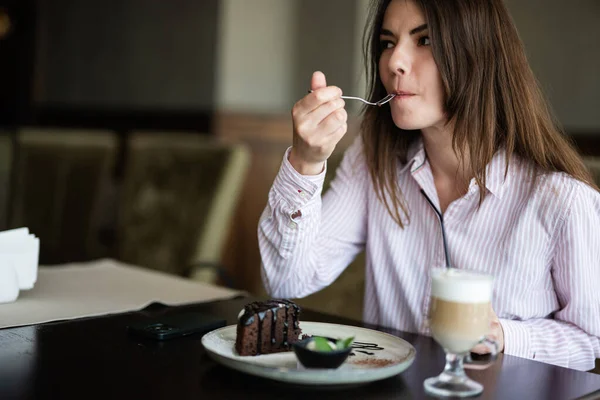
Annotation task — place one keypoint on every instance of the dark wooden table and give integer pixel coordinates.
(94, 358)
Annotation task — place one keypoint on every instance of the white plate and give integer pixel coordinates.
(392, 356)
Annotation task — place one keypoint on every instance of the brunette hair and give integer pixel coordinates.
(491, 96)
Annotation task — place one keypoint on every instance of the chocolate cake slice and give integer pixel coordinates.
(266, 327)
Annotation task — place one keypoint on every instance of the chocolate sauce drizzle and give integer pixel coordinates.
(261, 308)
(365, 346)
(361, 347)
(286, 327)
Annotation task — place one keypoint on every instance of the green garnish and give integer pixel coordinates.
(322, 344)
(345, 343)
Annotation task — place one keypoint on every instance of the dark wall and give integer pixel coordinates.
(325, 28)
(16, 60)
(117, 64)
(130, 54)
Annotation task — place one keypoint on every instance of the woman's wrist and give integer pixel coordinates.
(303, 167)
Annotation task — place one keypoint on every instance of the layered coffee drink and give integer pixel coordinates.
(460, 308)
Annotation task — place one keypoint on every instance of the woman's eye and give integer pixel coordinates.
(386, 44)
(424, 41)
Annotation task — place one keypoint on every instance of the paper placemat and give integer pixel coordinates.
(102, 287)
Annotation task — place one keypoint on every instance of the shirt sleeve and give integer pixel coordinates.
(571, 338)
(307, 241)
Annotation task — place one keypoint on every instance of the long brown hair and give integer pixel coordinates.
(491, 96)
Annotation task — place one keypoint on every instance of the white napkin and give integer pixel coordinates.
(19, 259)
(9, 283)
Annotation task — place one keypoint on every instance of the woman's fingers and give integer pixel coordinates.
(334, 120)
(318, 115)
(314, 100)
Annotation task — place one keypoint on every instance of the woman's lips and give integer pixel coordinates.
(403, 96)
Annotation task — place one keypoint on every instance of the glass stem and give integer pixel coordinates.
(454, 365)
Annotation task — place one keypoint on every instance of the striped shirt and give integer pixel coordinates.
(541, 245)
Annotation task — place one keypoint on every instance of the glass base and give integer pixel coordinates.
(448, 385)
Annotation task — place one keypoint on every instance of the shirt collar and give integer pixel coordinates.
(495, 170)
(495, 173)
(415, 156)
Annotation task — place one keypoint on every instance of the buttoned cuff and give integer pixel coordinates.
(517, 340)
(297, 189)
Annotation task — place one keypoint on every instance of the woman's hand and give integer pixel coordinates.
(496, 334)
(320, 122)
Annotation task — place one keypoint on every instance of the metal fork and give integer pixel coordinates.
(379, 103)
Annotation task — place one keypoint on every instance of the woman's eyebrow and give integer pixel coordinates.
(386, 32)
(420, 28)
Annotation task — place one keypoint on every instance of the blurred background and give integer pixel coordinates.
(150, 131)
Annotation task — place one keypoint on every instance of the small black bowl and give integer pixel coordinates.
(319, 359)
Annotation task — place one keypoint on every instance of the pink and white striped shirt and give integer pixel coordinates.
(542, 248)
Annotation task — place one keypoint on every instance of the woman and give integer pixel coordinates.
(467, 140)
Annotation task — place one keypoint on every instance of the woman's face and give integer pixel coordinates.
(408, 69)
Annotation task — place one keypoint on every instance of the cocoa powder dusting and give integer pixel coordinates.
(373, 362)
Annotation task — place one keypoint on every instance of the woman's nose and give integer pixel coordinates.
(400, 61)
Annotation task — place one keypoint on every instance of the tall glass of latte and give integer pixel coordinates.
(459, 319)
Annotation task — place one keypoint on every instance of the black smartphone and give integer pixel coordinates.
(176, 325)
